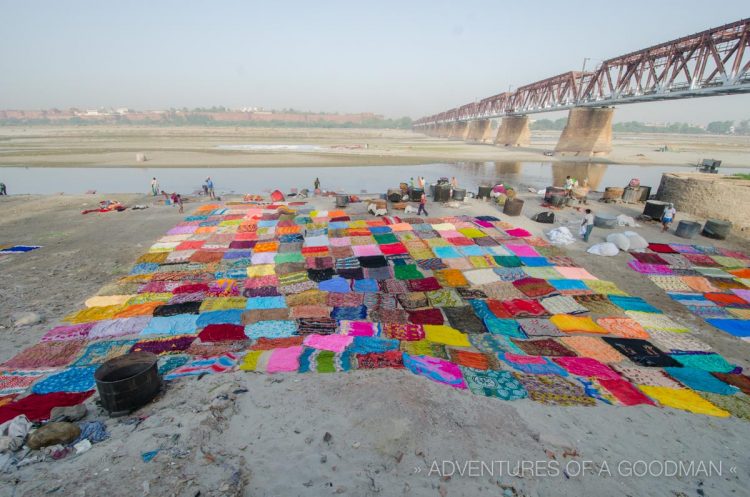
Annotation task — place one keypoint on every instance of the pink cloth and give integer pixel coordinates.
(743, 294)
(334, 343)
(343, 241)
(518, 233)
(575, 273)
(366, 250)
(587, 366)
(284, 360)
(525, 359)
(359, 328)
(523, 250)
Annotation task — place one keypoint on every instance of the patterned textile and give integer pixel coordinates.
(99, 352)
(598, 304)
(539, 327)
(562, 304)
(587, 366)
(551, 389)
(641, 352)
(500, 384)
(76, 379)
(524, 308)
(670, 283)
(646, 376)
(703, 381)
(46, 355)
(534, 287)
(544, 347)
(593, 347)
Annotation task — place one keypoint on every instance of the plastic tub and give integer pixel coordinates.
(606, 222)
(553, 190)
(442, 192)
(687, 229)
(416, 194)
(655, 209)
(484, 192)
(459, 194)
(715, 228)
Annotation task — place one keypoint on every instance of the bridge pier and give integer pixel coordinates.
(477, 130)
(514, 132)
(442, 130)
(489, 134)
(588, 132)
(459, 130)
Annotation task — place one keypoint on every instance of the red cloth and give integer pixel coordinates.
(524, 307)
(426, 316)
(37, 407)
(423, 285)
(497, 308)
(393, 249)
(626, 393)
(191, 288)
(277, 196)
(661, 248)
(726, 299)
(518, 232)
(222, 332)
(461, 241)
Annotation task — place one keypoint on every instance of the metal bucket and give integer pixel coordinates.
(442, 192)
(715, 228)
(513, 207)
(553, 190)
(416, 194)
(631, 195)
(607, 222)
(459, 194)
(557, 200)
(655, 209)
(687, 229)
(342, 200)
(484, 192)
(127, 382)
(432, 190)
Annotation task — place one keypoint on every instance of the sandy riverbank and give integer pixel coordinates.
(384, 424)
(115, 146)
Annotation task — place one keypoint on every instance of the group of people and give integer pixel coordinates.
(3, 189)
(176, 198)
(587, 223)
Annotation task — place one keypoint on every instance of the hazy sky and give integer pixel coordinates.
(390, 57)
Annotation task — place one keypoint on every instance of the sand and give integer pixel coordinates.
(117, 146)
(262, 435)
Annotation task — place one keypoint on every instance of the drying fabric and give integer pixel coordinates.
(661, 248)
(576, 273)
(379, 273)
(651, 321)
(646, 376)
(222, 332)
(307, 311)
(428, 263)
(365, 286)
(161, 346)
(319, 262)
(284, 359)
(444, 298)
(223, 303)
(375, 360)
(544, 347)
(46, 355)
(233, 316)
(256, 315)
(524, 308)
(461, 264)
(542, 272)
(403, 331)
(539, 327)
(712, 272)
(413, 300)
(593, 347)
(632, 304)
(38, 407)
(359, 328)
(683, 399)
(677, 261)
(604, 287)
(505, 327)
(709, 311)
(625, 393)
(588, 367)
(743, 314)
(407, 272)
(649, 258)
(185, 324)
(554, 390)
(508, 261)
(641, 352)
(726, 299)
(451, 278)
(598, 304)
(698, 284)
(576, 324)
(372, 261)
(220, 364)
(367, 345)
(320, 326)
(570, 286)
(336, 284)
(335, 299)
(745, 294)
(463, 318)
(176, 309)
(471, 293)
(534, 287)
(435, 369)
(737, 405)
(501, 291)
(669, 341)
(535, 262)
(656, 269)
(393, 249)
(333, 343)
(349, 313)
(76, 379)
(471, 359)
(425, 316)
(271, 329)
(670, 283)
(68, 332)
(384, 315)
(500, 384)
(737, 380)
(713, 363)
(700, 380)
(522, 250)
(445, 335)
(12, 382)
(562, 304)
(518, 232)
(423, 285)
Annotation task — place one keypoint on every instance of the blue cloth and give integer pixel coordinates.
(568, 284)
(367, 345)
(349, 313)
(506, 327)
(169, 362)
(380, 230)
(69, 380)
(481, 309)
(701, 380)
(338, 225)
(269, 223)
(335, 285)
(472, 250)
(98, 352)
(548, 367)
(144, 268)
(266, 303)
(181, 324)
(711, 362)
(366, 286)
(535, 261)
(237, 254)
(446, 252)
(229, 316)
(271, 329)
(510, 273)
(735, 327)
(93, 431)
(292, 237)
(633, 304)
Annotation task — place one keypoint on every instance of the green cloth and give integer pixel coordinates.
(508, 260)
(407, 272)
(385, 238)
(490, 383)
(288, 257)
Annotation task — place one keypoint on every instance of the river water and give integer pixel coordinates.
(357, 179)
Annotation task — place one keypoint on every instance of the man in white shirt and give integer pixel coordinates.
(587, 225)
(668, 217)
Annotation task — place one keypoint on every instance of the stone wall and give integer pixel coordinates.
(709, 196)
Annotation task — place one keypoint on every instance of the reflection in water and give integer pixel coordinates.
(580, 171)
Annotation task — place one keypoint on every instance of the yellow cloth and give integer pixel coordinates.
(94, 314)
(142, 298)
(471, 232)
(681, 398)
(153, 257)
(606, 287)
(260, 270)
(445, 335)
(104, 300)
(231, 222)
(739, 313)
(163, 246)
(443, 227)
(250, 362)
(223, 303)
(576, 324)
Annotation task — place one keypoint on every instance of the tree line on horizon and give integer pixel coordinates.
(712, 128)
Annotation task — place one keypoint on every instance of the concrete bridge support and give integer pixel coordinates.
(459, 130)
(443, 130)
(514, 132)
(490, 133)
(477, 130)
(588, 132)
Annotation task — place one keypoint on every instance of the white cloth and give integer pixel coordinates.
(560, 236)
(605, 249)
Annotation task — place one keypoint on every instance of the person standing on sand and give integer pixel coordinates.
(587, 225)
(154, 187)
(316, 184)
(3, 190)
(210, 186)
(454, 182)
(668, 217)
(178, 201)
(422, 203)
